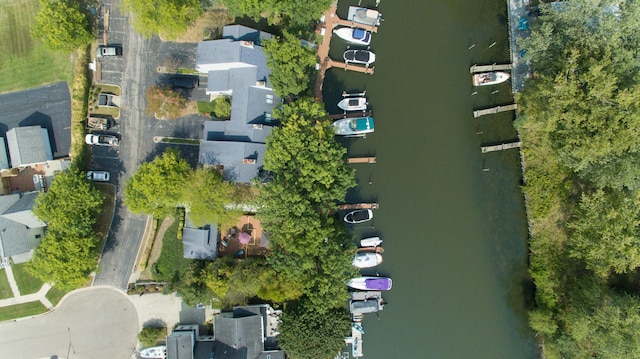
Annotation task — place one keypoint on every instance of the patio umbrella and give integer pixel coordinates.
(244, 238)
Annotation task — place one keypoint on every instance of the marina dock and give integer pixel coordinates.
(329, 21)
(492, 110)
(352, 114)
(492, 67)
(501, 147)
(358, 206)
(362, 160)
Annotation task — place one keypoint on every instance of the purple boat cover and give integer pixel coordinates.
(377, 283)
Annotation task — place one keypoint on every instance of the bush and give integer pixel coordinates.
(222, 107)
(150, 336)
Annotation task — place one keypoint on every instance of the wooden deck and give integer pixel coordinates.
(492, 67)
(331, 20)
(358, 206)
(362, 160)
(351, 114)
(501, 147)
(492, 110)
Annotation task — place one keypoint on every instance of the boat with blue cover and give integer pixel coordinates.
(355, 36)
(358, 126)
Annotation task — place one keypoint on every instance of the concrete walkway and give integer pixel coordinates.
(20, 299)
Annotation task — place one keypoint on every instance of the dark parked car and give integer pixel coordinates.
(185, 82)
(109, 50)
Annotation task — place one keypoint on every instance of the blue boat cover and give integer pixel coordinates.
(359, 34)
(377, 283)
(364, 123)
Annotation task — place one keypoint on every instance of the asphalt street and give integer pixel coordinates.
(136, 71)
(97, 323)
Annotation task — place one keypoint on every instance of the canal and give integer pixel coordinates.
(452, 219)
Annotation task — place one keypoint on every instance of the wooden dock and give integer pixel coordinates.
(325, 29)
(492, 110)
(358, 206)
(351, 114)
(492, 67)
(501, 147)
(362, 160)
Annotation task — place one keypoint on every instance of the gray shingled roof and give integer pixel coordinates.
(200, 243)
(20, 229)
(240, 32)
(28, 145)
(232, 156)
(180, 345)
(240, 333)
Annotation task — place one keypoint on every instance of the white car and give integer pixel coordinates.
(99, 176)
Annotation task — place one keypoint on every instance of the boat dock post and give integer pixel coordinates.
(362, 160)
(492, 67)
(492, 110)
(358, 206)
(501, 147)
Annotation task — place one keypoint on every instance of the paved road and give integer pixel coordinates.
(135, 71)
(95, 323)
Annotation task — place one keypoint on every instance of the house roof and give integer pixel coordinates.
(244, 333)
(240, 32)
(28, 145)
(200, 243)
(20, 230)
(242, 161)
(180, 345)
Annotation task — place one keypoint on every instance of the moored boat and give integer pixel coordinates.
(159, 352)
(354, 35)
(359, 216)
(370, 242)
(489, 78)
(362, 15)
(366, 306)
(364, 57)
(353, 103)
(367, 259)
(352, 127)
(370, 283)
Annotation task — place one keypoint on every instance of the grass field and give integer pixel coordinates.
(24, 62)
(21, 310)
(54, 295)
(27, 283)
(5, 289)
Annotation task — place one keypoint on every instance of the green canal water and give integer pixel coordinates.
(452, 219)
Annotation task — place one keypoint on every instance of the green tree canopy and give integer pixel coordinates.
(206, 196)
(62, 25)
(157, 187)
(296, 12)
(164, 102)
(167, 18)
(292, 65)
(68, 251)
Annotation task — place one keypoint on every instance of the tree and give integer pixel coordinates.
(297, 12)
(206, 196)
(157, 187)
(222, 107)
(167, 18)
(606, 231)
(291, 64)
(68, 251)
(309, 334)
(149, 336)
(165, 103)
(62, 25)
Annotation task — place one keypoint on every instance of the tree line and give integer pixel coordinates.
(580, 125)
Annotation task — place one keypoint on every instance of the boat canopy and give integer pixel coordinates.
(359, 34)
(362, 55)
(365, 306)
(362, 124)
(377, 283)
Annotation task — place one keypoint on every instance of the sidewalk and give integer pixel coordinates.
(20, 299)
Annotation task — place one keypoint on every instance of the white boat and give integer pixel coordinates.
(366, 306)
(371, 242)
(358, 126)
(489, 78)
(367, 259)
(359, 216)
(159, 352)
(363, 57)
(354, 35)
(371, 283)
(353, 103)
(362, 15)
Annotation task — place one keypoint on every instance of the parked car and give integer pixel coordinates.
(186, 82)
(99, 176)
(101, 140)
(109, 50)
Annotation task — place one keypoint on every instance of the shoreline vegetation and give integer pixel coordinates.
(580, 126)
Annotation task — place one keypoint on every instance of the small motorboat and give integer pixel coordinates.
(354, 127)
(362, 15)
(359, 216)
(159, 352)
(367, 259)
(364, 57)
(354, 36)
(366, 306)
(370, 283)
(353, 103)
(371, 242)
(489, 78)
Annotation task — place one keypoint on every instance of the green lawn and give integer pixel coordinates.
(21, 310)
(171, 265)
(54, 295)
(5, 289)
(24, 62)
(27, 283)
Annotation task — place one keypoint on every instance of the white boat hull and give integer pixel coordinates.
(371, 242)
(370, 283)
(489, 78)
(159, 352)
(362, 57)
(358, 216)
(367, 260)
(354, 126)
(349, 35)
(353, 104)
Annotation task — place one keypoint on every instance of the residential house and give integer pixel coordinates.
(200, 243)
(28, 146)
(20, 230)
(236, 66)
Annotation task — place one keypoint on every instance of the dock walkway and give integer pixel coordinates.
(493, 67)
(358, 206)
(501, 147)
(492, 110)
(362, 160)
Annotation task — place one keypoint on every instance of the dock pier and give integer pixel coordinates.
(492, 110)
(501, 147)
(352, 114)
(362, 160)
(358, 206)
(493, 67)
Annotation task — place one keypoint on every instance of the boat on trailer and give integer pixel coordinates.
(359, 216)
(371, 242)
(489, 78)
(354, 127)
(354, 36)
(159, 352)
(370, 283)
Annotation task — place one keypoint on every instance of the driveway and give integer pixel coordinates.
(93, 323)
